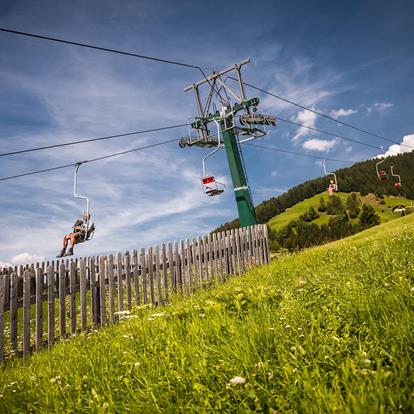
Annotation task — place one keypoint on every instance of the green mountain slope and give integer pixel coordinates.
(328, 329)
(360, 177)
(383, 210)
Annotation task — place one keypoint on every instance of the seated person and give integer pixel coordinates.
(81, 231)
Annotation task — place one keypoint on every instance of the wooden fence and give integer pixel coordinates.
(44, 302)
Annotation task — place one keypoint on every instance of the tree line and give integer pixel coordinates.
(360, 177)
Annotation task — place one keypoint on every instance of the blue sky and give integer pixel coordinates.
(353, 60)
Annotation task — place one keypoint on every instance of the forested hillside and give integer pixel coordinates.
(361, 177)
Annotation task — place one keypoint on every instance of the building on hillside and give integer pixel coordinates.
(398, 209)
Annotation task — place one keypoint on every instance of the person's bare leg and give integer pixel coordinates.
(65, 245)
(72, 238)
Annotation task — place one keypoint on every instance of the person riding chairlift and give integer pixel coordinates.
(332, 187)
(82, 229)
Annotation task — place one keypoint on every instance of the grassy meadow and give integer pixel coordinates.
(329, 329)
(293, 213)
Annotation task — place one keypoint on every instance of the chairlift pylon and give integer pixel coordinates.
(397, 184)
(333, 184)
(211, 187)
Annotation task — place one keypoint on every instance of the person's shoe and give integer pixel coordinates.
(69, 253)
(61, 254)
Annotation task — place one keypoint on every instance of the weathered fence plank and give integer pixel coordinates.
(170, 266)
(164, 270)
(94, 293)
(181, 280)
(50, 305)
(72, 297)
(189, 287)
(39, 309)
(143, 276)
(195, 263)
(13, 310)
(102, 297)
(82, 288)
(3, 281)
(119, 280)
(27, 276)
(150, 266)
(158, 274)
(109, 275)
(127, 264)
(136, 276)
(62, 299)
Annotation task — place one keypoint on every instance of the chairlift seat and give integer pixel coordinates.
(89, 235)
(383, 175)
(211, 186)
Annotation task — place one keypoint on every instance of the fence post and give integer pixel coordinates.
(150, 265)
(182, 267)
(13, 310)
(62, 299)
(82, 292)
(195, 261)
(72, 295)
(50, 305)
(39, 308)
(109, 274)
(136, 276)
(189, 288)
(102, 299)
(176, 266)
(95, 305)
(3, 281)
(143, 276)
(158, 275)
(164, 271)
(127, 263)
(27, 275)
(119, 280)
(266, 242)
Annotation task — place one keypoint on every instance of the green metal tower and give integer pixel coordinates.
(230, 126)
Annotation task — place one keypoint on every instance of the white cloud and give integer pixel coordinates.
(319, 144)
(25, 257)
(274, 173)
(407, 145)
(306, 118)
(348, 149)
(379, 106)
(336, 113)
(4, 264)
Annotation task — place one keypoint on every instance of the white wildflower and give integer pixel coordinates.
(281, 318)
(137, 364)
(125, 312)
(150, 319)
(55, 379)
(158, 315)
(237, 380)
(287, 327)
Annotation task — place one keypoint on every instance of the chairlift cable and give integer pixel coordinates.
(301, 154)
(90, 160)
(65, 144)
(322, 114)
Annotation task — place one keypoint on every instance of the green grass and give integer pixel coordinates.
(329, 329)
(293, 213)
